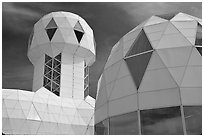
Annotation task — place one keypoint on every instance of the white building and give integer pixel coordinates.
(61, 47)
(152, 81)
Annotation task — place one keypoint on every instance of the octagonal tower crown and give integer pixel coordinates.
(60, 47)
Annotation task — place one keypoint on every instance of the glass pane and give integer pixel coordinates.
(137, 66)
(57, 80)
(51, 24)
(86, 71)
(199, 50)
(58, 57)
(126, 124)
(140, 45)
(79, 35)
(49, 63)
(49, 75)
(199, 35)
(47, 69)
(163, 121)
(51, 32)
(56, 63)
(47, 58)
(48, 86)
(46, 81)
(102, 128)
(193, 119)
(86, 82)
(86, 92)
(58, 68)
(56, 92)
(55, 74)
(54, 86)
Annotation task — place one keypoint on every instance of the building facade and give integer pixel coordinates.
(61, 48)
(152, 81)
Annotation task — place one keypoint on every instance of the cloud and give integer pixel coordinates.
(141, 11)
(11, 9)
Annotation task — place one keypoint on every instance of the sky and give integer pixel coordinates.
(109, 21)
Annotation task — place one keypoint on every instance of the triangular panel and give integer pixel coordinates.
(177, 74)
(51, 32)
(157, 79)
(198, 40)
(78, 27)
(137, 66)
(155, 62)
(79, 35)
(51, 24)
(199, 50)
(140, 45)
(195, 58)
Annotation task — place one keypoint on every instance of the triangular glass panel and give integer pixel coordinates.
(58, 57)
(49, 63)
(55, 74)
(137, 66)
(79, 35)
(48, 86)
(51, 32)
(78, 27)
(56, 63)
(51, 24)
(47, 58)
(199, 50)
(56, 92)
(86, 92)
(49, 75)
(167, 16)
(57, 80)
(198, 40)
(54, 86)
(46, 81)
(58, 68)
(47, 69)
(141, 44)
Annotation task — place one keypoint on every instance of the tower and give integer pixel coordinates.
(61, 47)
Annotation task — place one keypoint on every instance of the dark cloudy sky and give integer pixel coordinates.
(110, 21)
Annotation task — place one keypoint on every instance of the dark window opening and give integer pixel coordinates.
(52, 71)
(198, 40)
(51, 32)
(86, 80)
(79, 35)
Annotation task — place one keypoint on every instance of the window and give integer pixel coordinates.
(86, 80)
(102, 127)
(162, 121)
(79, 32)
(193, 119)
(52, 70)
(126, 124)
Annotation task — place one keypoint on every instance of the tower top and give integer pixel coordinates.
(59, 32)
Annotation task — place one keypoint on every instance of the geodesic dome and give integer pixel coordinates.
(62, 31)
(152, 81)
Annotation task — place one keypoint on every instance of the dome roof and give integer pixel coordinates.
(61, 32)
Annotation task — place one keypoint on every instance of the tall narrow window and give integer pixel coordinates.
(86, 80)
(52, 74)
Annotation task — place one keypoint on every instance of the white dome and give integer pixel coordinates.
(61, 32)
(155, 68)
